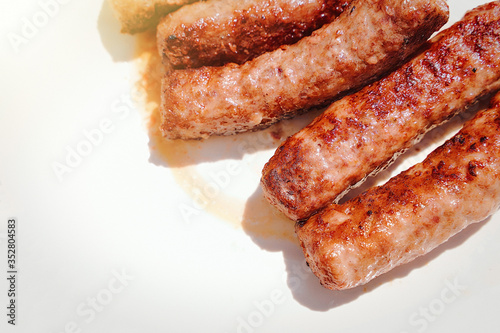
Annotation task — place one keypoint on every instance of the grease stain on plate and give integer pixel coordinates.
(220, 174)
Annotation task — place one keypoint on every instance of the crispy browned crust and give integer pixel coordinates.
(216, 32)
(366, 40)
(456, 185)
(363, 132)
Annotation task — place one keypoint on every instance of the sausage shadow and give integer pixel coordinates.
(303, 284)
(183, 153)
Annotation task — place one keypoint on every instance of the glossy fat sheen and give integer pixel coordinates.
(367, 39)
(140, 15)
(361, 133)
(456, 185)
(215, 32)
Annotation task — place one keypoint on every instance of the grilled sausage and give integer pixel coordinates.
(456, 185)
(362, 133)
(367, 39)
(215, 32)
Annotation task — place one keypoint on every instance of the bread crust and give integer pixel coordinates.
(137, 16)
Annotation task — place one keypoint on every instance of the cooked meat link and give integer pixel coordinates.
(216, 32)
(366, 40)
(456, 185)
(362, 133)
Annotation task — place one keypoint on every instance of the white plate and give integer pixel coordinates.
(117, 235)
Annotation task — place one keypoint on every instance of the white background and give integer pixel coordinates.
(104, 246)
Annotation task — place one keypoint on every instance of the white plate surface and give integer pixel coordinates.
(119, 233)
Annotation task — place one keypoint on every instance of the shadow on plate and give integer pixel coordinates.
(305, 287)
(180, 153)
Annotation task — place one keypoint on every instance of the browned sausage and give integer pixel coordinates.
(215, 32)
(361, 133)
(456, 185)
(367, 39)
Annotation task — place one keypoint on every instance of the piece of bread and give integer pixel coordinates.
(140, 15)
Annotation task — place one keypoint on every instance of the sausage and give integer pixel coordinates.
(137, 16)
(456, 185)
(367, 39)
(215, 32)
(364, 132)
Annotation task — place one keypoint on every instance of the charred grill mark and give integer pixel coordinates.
(459, 139)
(471, 168)
(472, 148)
